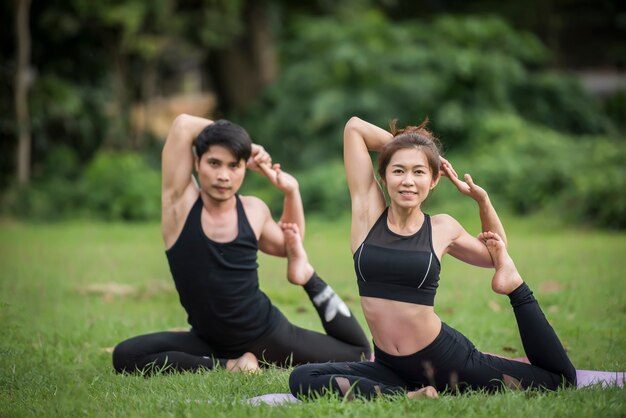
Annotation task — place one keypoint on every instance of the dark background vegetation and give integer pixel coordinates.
(529, 96)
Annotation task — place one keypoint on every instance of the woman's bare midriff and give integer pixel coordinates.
(400, 328)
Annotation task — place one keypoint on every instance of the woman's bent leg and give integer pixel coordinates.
(541, 344)
(364, 379)
(453, 363)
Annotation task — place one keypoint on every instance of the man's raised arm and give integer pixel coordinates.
(177, 159)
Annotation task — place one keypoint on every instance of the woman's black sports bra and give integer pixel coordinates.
(398, 267)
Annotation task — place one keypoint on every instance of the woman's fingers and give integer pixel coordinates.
(447, 167)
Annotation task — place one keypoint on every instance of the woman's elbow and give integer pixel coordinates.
(353, 123)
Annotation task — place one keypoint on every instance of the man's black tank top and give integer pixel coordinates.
(218, 283)
(398, 267)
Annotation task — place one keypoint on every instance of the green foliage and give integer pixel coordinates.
(615, 106)
(453, 70)
(92, 60)
(531, 167)
(324, 190)
(560, 102)
(599, 183)
(490, 95)
(526, 164)
(51, 200)
(122, 186)
(113, 186)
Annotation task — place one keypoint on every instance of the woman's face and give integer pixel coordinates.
(408, 178)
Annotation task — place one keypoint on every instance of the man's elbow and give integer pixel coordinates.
(179, 122)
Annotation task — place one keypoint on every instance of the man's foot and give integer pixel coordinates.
(507, 278)
(299, 270)
(246, 363)
(427, 392)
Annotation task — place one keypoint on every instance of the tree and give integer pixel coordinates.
(22, 81)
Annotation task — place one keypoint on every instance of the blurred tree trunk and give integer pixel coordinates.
(22, 81)
(249, 63)
(149, 83)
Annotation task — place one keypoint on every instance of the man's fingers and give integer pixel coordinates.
(267, 170)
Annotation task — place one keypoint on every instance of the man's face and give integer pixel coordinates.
(220, 174)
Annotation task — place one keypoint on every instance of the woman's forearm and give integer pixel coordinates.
(374, 137)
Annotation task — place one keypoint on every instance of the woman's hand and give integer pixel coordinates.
(467, 187)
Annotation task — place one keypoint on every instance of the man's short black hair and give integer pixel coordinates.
(227, 134)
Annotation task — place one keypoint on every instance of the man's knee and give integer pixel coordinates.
(124, 358)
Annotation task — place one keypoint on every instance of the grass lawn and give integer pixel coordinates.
(69, 292)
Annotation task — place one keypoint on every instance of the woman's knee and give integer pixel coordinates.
(365, 352)
(300, 379)
(570, 377)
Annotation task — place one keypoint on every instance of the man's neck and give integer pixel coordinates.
(216, 207)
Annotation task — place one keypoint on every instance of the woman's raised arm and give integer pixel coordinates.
(368, 201)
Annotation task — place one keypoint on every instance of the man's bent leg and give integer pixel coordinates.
(337, 320)
(173, 351)
(290, 345)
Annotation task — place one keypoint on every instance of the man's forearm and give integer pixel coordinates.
(489, 219)
(189, 127)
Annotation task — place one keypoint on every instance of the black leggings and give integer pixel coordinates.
(285, 345)
(450, 362)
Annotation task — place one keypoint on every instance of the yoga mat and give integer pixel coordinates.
(273, 399)
(593, 377)
(584, 378)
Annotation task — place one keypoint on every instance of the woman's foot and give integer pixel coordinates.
(507, 278)
(247, 363)
(427, 392)
(299, 270)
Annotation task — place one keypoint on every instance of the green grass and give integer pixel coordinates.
(57, 330)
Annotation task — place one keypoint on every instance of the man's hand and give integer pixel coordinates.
(284, 181)
(258, 158)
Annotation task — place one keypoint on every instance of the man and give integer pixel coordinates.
(212, 236)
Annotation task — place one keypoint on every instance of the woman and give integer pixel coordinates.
(396, 251)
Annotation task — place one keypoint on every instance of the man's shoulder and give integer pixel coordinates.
(253, 202)
(256, 210)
